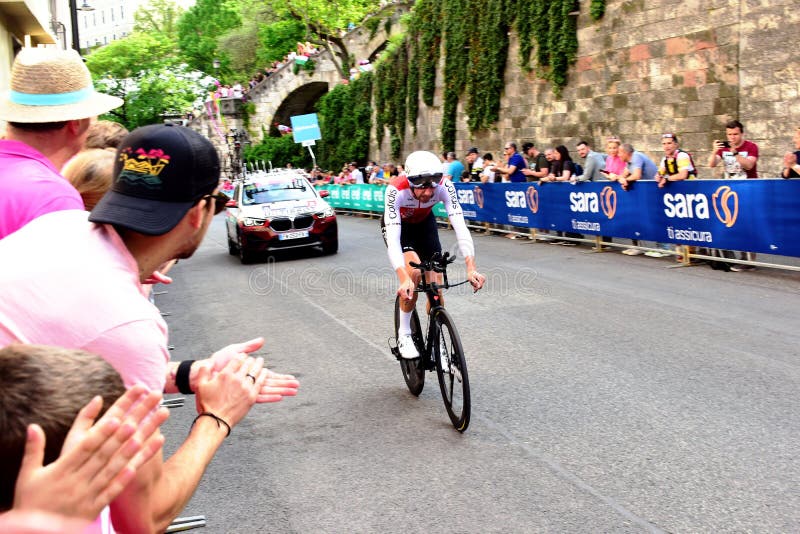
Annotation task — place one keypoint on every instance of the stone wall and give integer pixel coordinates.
(651, 67)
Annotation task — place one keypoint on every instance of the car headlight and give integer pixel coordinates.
(249, 221)
(327, 212)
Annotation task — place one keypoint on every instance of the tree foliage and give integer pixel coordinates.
(278, 150)
(199, 29)
(326, 22)
(278, 38)
(142, 70)
(158, 18)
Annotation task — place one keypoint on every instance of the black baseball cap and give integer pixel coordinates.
(472, 150)
(161, 171)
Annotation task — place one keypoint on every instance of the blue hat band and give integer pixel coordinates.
(57, 99)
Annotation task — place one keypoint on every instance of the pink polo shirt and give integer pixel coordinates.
(71, 283)
(30, 186)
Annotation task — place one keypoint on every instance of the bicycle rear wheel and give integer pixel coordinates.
(451, 367)
(413, 370)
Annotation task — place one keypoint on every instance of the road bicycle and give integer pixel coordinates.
(440, 348)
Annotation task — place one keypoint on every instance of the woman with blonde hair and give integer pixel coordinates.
(614, 164)
(91, 173)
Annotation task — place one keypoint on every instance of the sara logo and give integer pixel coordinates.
(608, 201)
(478, 192)
(726, 205)
(533, 199)
(696, 205)
(465, 197)
(515, 199)
(592, 203)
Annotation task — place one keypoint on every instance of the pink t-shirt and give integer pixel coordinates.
(70, 283)
(30, 186)
(615, 165)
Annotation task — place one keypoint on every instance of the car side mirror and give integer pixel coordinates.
(231, 204)
(324, 193)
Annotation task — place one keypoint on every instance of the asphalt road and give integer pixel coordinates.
(610, 394)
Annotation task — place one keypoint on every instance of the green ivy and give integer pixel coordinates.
(391, 92)
(475, 39)
(553, 26)
(426, 27)
(457, 30)
(248, 110)
(372, 24)
(345, 117)
(488, 54)
(526, 26)
(597, 9)
(412, 86)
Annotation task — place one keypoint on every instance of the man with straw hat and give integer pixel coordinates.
(49, 108)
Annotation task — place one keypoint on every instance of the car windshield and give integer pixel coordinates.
(266, 192)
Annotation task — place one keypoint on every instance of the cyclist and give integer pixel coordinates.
(410, 233)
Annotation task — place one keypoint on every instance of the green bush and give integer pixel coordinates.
(279, 151)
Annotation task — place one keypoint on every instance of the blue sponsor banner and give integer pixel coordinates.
(753, 215)
(305, 128)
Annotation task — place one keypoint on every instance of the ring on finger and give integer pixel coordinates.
(252, 378)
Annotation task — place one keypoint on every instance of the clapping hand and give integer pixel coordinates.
(98, 460)
(275, 386)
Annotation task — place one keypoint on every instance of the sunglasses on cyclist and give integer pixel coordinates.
(425, 180)
(220, 201)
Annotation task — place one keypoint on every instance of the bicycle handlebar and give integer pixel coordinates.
(436, 287)
(438, 264)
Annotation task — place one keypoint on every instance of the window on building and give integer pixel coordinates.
(112, 14)
(103, 16)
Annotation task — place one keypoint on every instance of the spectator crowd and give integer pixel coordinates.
(84, 354)
(733, 157)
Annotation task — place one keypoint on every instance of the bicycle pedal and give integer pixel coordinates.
(393, 348)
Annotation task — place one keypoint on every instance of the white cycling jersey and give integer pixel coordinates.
(401, 207)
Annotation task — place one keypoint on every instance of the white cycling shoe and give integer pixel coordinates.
(405, 344)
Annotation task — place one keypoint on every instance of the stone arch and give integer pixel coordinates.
(300, 101)
(380, 48)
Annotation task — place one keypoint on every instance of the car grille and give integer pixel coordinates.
(283, 224)
(304, 221)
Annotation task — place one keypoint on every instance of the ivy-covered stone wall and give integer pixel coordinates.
(643, 68)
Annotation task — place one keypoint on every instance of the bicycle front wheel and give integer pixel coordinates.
(413, 370)
(451, 367)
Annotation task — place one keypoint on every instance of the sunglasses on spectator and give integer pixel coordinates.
(425, 180)
(220, 201)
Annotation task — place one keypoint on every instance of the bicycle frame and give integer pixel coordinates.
(432, 291)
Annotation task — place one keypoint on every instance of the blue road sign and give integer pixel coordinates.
(305, 128)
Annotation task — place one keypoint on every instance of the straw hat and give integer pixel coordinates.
(52, 85)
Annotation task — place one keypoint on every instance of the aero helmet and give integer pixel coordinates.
(423, 169)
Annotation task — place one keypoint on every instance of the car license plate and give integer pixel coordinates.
(293, 235)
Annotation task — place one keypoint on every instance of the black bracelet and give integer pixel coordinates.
(182, 377)
(217, 419)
